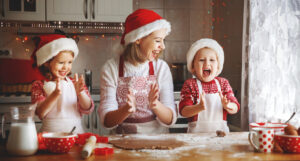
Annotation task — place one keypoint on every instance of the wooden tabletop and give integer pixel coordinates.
(204, 147)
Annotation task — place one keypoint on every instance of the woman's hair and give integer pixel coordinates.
(45, 69)
(133, 55)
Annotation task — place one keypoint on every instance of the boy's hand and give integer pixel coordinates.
(153, 96)
(79, 83)
(131, 102)
(202, 102)
(225, 102)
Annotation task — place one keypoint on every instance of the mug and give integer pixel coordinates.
(262, 139)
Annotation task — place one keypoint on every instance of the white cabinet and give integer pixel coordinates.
(28, 10)
(111, 10)
(91, 123)
(88, 10)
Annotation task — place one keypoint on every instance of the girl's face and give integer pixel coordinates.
(61, 65)
(205, 64)
(153, 44)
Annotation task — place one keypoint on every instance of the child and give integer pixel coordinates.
(61, 100)
(206, 99)
(136, 87)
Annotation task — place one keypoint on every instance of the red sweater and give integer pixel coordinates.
(190, 93)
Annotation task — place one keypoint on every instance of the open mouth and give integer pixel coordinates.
(206, 72)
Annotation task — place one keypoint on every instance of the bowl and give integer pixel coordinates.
(59, 142)
(278, 127)
(288, 143)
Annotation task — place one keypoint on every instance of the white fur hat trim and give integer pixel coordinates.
(146, 30)
(210, 43)
(51, 49)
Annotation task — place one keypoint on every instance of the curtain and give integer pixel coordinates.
(274, 61)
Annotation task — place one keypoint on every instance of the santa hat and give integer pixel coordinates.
(210, 43)
(141, 23)
(50, 45)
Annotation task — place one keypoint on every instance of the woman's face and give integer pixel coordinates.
(153, 44)
(205, 64)
(61, 65)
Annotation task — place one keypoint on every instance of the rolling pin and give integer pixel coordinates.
(88, 147)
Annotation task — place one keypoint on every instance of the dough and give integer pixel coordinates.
(140, 143)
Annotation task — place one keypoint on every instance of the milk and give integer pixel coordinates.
(22, 139)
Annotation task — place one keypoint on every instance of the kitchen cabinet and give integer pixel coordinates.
(30, 10)
(91, 122)
(88, 10)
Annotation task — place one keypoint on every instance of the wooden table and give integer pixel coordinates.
(204, 147)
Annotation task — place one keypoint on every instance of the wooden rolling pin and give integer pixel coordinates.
(88, 147)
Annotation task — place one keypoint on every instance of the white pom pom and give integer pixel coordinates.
(49, 87)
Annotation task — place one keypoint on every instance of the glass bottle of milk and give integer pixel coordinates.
(22, 139)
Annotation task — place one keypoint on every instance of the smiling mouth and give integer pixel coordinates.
(206, 72)
(63, 73)
(155, 53)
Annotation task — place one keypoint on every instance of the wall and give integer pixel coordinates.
(190, 20)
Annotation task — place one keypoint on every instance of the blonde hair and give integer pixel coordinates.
(133, 55)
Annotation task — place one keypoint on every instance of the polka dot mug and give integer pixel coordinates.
(262, 139)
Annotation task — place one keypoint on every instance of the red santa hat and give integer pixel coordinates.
(141, 23)
(210, 43)
(50, 45)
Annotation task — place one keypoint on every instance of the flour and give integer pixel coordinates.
(198, 143)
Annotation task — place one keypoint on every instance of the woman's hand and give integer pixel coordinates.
(153, 96)
(79, 83)
(131, 102)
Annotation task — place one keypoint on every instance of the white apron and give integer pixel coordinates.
(65, 115)
(211, 119)
(143, 121)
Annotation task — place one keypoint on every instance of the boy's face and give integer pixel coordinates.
(152, 45)
(205, 64)
(61, 64)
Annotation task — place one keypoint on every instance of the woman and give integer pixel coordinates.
(136, 86)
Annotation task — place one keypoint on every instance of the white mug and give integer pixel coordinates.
(262, 139)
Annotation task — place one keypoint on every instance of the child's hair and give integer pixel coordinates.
(133, 54)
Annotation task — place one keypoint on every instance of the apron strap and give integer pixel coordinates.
(151, 69)
(121, 67)
(121, 64)
(218, 85)
(200, 87)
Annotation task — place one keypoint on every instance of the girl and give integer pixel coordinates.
(137, 87)
(61, 100)
(206, 99)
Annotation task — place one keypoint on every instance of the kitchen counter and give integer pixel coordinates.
(204, 147)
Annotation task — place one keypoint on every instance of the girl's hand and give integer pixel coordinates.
(131, 102)
(202, 102)
(79, 83)
(225, 102)
(57, 90)
(153, 96)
